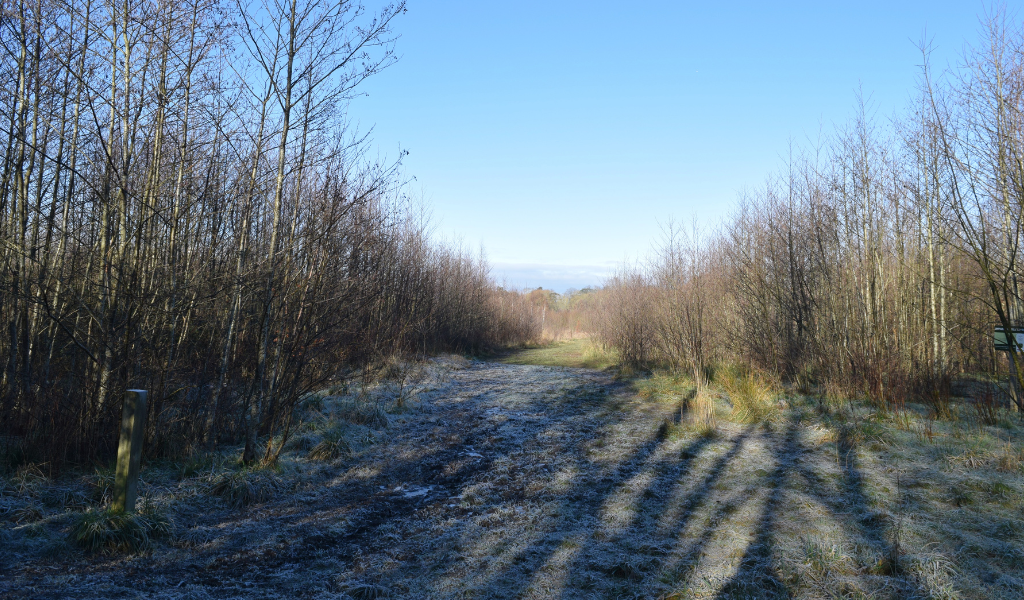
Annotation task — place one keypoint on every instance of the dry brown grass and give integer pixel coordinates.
(701, 412)
(1010, 458)
(753, 396)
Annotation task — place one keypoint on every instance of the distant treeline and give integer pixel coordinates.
(183, 209)
(875, 264)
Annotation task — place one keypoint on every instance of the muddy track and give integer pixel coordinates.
(486, 445)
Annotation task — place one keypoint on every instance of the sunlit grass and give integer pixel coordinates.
(752, 396)
(578, 353)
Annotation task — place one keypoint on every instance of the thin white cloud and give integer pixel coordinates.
(555, 277)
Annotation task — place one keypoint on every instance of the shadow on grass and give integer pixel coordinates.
(757, 575)
(626, 526)
(652, 548)
(637, 524)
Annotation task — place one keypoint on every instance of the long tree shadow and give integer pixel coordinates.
(581, 504)
(657, 501)
(656, 489)
(681, 566)
(633, 564)
(871, 526)
(757, 575)
(599, 557)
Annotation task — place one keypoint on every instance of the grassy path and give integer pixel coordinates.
(524, 481)
(579, 353)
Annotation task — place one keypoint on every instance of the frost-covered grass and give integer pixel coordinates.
(513, 481)
(826, 499)
(117, 531)
(47, 518)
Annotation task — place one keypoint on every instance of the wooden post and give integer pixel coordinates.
(129, 451)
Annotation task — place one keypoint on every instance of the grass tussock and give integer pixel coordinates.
(28, 479)
(247, 486)
(824, 559)
(332, 446)
(1009, 459)
(334, 426)
(104, 530)
(29, 513)
(360, 411)
(753, 397)
(701, 413)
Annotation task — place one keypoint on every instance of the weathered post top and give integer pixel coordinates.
(129, 450)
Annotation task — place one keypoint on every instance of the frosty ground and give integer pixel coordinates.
(523, 481)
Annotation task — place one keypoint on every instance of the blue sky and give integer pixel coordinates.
(560, 135)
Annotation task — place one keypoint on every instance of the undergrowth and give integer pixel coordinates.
(753, 396)
(333, 445)
(57, 516)
(105, 530)
(701, 413)
(247, 486)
